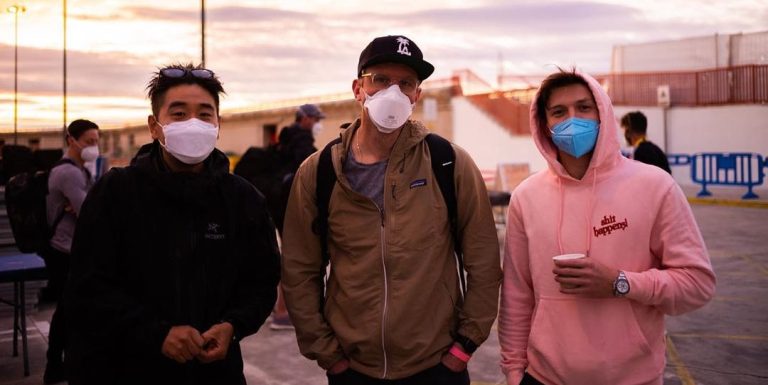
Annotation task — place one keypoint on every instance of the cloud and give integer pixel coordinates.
(265, 53)
(233, 14)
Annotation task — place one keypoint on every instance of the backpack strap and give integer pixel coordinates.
(443, 165)
(326, 179)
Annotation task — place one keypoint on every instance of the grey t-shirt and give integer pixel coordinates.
(67, 186)
(366, 179)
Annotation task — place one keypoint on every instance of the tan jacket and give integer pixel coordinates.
(393, 301)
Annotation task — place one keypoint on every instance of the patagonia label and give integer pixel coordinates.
(418, 183)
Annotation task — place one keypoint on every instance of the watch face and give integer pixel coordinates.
(622, 286)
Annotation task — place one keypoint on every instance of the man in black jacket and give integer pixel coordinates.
(635, 126)
(174, 259)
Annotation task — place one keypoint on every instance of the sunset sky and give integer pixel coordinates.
(271, 50)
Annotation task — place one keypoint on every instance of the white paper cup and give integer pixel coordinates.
(565, 257)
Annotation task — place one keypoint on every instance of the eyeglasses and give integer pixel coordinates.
(173, 72)
(380, 82)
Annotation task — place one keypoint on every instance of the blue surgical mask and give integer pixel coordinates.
(575, 136)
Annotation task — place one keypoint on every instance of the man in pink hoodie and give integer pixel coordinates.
(598, 319)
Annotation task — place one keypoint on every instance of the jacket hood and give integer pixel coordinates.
(607, 149)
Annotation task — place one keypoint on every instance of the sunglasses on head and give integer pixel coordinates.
(182, 72)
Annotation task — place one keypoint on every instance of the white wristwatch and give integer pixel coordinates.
(621, 285)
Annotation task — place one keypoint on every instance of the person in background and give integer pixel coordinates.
(598, 319)
(175, 260)
(635, 126)
(68, 183)
(391, 310)
(297, 142)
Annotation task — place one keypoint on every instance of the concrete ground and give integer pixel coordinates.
(726, 342)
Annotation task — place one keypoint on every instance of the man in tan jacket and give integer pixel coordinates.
(391, 307)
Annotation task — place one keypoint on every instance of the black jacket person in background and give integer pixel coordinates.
(174, 259)
(635, 126)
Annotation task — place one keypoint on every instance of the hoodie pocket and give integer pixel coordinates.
(585, 341)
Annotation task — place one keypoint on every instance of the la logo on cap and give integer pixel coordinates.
(402, 48)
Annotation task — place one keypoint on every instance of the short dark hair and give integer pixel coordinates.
(79, 126)
(635, 121)
(559, 79)
(159, 85)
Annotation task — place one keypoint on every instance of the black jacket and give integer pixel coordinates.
(296, 144)
(648, 152)
(155, 249)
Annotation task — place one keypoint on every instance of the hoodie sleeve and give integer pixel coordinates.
(517, 298)
(303, 272)
(480, 247)
(685, 280)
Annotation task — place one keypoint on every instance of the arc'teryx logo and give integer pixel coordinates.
(608, 224)
(214, 232)
(403, 47)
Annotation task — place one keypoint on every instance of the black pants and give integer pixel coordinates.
(529, 380)
(57, 268)
(57, 265)
(436, 375)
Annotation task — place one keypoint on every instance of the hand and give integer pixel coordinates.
(452, 362)
(182, 343)
(585, 276)
(339, 367)
(216, 342)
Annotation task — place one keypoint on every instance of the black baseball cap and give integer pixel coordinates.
(395, 49)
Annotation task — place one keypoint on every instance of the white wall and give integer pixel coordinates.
(488, 143)
(690, 130)
(677, 130)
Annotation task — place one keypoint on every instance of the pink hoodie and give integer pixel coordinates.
(629, 216)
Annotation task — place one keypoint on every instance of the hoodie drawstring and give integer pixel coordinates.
(560, 216)
(587, 216)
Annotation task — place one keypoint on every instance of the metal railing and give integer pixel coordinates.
(724, 169)
(731, 85)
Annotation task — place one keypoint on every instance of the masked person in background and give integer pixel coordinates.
(68, 184)
(297, 142)
(598, 319)
(635, 126)
(174, 259)
(392, 308)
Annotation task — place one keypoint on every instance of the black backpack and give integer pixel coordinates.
(443, 164)
(25, 201)
(269, 172)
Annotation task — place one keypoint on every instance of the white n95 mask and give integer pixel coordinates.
(389, 109)
(89, 153)
(190, 141)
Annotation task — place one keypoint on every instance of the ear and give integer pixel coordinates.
(357, 90)
(154, 129)
(416, 96)
(218, 133)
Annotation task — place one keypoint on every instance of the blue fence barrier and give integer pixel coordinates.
(724, 169)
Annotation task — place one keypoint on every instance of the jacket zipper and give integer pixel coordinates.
(386, 286)
(386, 295)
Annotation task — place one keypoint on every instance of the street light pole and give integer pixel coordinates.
(202, 32)
(64, 74)
(16, 9)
